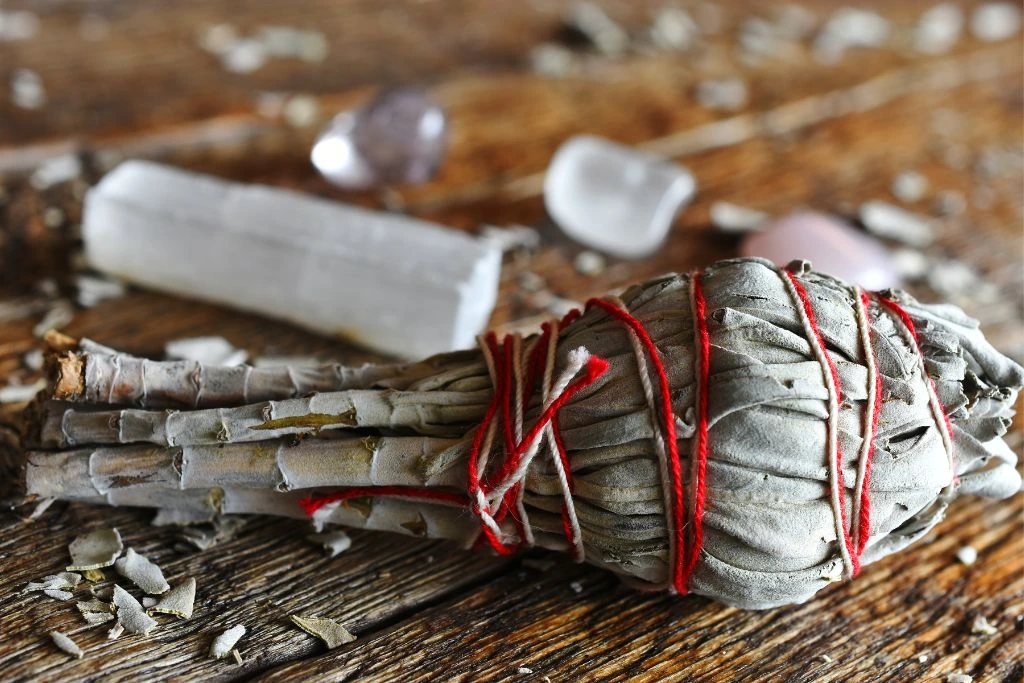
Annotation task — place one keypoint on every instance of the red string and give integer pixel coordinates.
(675, 475)
(909, 324)
(808, 307)
(700, 443)
(500, 401)
(864, 520)
(311, 505)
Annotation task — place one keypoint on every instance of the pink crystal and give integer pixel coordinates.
(400, 137)
(830, 244)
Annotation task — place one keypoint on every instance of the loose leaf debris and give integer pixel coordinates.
(57, 586)
(333, 542)
(95, 550)
(983, 627)
(179, 601)
(225, 642)
(327, 630)
(96, 611)
(142, 572)
(130, 614)
(66, 644)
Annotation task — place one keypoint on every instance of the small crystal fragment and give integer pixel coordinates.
(524, 671)
(911, 264)
(206, 350)
(600, 29)
(115, 631)
(19, 393)
(967, 555)
(95, 550)
(327, 630)
(892, 222)
(301, 111)
(55, 171)
(245, 56)
(674, 29)
(589, 263)
(333, 542)
(849, 27)
(551, 59)
(142, 572)
(66, 644)
(994, 21)
(17, 25)
(27, 89)
(512, 237)
(92, 290)
(733, 218)
(939, 29)
(957, 677)
(833, 246)
(179, 601)
(400, 137)
(614, 198)
(130, 614)
(727, 94)
(909, 186)
(225, 642)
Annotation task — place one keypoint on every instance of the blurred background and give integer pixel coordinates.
(901, 121)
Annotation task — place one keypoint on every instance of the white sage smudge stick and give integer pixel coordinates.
(756, 434)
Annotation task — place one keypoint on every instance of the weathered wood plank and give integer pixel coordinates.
(257, 579)
(507, 124)
(919, 603)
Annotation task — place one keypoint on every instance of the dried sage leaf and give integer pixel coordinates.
(178, 601)
(130, 614)
(142, 572)
(225, 642)
(95, 550)
(327, 630)
(67, 645)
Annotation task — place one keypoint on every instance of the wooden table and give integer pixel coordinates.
(825, 136)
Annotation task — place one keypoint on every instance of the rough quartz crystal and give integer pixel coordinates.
(400, 137)
(614, 198)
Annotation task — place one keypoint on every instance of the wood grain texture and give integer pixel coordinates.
(827, 137)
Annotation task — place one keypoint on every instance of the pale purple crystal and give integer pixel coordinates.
(830, 244)
(400, 137)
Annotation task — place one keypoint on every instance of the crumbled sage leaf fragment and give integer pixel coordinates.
(327, 630)
(57, 586)
(333, 542)
(96, 611)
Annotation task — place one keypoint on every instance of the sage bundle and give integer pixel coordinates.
(746, 433)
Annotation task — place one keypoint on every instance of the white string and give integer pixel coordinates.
(652, 410)
(832, 424)
(488, 506)
(864, 332)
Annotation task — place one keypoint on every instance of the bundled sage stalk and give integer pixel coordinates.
(822, 429)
